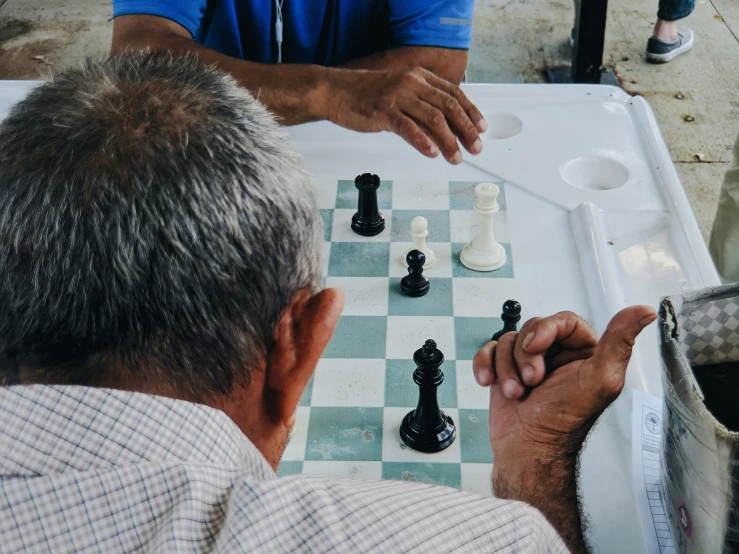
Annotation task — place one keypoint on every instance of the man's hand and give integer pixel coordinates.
(427, 111)
(549, 384)
(430, 113)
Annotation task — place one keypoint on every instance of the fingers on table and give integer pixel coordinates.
(408, 130)
(432, 119)
(446, 113)
(465, 103)
(454, 118)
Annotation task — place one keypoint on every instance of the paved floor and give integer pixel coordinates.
(514, 40)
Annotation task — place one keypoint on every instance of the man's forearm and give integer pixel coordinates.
(430, 113)
(550, 486)
(295, 93)
(447, 63)
(299, 93)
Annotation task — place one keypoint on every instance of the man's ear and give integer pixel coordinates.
(301, 336)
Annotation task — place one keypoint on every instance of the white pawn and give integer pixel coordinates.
(484, 253)
(419, 231)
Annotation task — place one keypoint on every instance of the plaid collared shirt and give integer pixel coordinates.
(97, 470)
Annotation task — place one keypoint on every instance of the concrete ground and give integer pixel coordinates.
(695, 97)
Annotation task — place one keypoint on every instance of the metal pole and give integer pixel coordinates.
(590, 34)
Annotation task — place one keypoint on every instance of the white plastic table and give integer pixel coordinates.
(598, 220)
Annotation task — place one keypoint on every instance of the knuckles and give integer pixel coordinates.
(407, 128)
(529, 324)
(508, 338)
(436, 119)
(456, 92)
(412, 77)
(566, 314)
(451, 105)
(484, 357)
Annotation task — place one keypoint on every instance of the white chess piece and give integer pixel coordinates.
(419, 230)
(484, 253)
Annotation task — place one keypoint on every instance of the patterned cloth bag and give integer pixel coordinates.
(699, 347)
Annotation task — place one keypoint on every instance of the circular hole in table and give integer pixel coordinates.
(594, 172)
(502, 125)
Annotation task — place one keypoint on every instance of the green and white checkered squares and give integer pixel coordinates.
(348, 420)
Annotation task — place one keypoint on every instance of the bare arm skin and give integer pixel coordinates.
(384, 93)
(446, 63)
(549, 383)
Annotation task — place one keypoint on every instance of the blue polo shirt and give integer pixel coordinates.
(324, 32)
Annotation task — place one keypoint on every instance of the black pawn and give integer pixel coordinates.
(415, 284)
(427, 428)
(511, 316)
(368, 220)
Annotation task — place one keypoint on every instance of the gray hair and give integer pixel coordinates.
(153, 218)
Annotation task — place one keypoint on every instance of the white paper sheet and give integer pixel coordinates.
(646, 446)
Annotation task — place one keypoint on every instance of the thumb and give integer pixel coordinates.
(613, 352)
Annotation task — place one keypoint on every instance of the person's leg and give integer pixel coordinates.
(665, 30)
(724, 243)
(668, 40)
(670, 11)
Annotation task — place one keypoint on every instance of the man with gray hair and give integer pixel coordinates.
(162, 314)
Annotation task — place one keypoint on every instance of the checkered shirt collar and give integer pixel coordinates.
(52, 429)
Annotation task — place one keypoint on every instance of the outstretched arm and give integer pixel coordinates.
(447, 63)
(549, 383)
(430, 113)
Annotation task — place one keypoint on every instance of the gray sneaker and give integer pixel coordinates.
(659, 51)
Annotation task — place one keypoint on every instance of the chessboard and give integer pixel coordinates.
(349, 417)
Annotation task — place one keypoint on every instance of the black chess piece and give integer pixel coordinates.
(415, 284)
(368, 220)
(427, 428)
(511, 316)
